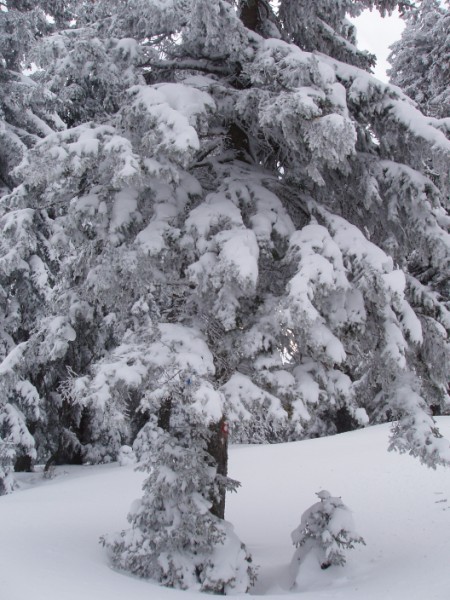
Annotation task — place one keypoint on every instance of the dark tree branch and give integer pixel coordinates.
(206, 151)
(186, 65)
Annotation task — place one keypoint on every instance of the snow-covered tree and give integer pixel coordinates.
(177, 537)
(324, 26)
(27, 114)
(7, 455)
(27, 109)
(420, 59)
(325, 533)
(230, 217)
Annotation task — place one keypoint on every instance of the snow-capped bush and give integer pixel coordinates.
(126, 456)
(325, 533)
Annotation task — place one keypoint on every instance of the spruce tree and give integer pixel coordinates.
(27, 109)
(325, 533)
(176, 535)
(27, 114)
(421, 58)
(237, 223)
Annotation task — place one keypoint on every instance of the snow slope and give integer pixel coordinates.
(49, 530)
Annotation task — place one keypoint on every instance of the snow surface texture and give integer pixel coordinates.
(49, 546)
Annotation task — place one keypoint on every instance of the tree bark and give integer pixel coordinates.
(218, 449)
(250, 14)
(23, 464)
(164, 414)
(238, 141)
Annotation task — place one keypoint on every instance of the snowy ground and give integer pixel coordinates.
(49, 530)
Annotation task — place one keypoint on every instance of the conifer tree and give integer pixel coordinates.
(325, 533)
(26, 108)
(27, 114)
(324, 26)
(230, 220)
(176, 536)
(421, 58)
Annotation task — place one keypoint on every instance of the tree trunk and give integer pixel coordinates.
(23, 464)
(164, 414)
(238, 141)
(250, 14)
(218, 449)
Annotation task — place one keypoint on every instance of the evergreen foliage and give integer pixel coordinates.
(27, 110)
(228, 226)
(6, 467)
(324, 26)
(174, 538)
(326, 531)
(421, 59)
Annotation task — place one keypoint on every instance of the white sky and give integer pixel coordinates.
(376, 35)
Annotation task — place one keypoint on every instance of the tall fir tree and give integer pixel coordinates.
(324, 26)
(27, 110)
(238, 223)
(421, 59)
(27, 114)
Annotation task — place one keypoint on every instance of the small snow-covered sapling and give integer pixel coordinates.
(326, 530)
(126, 456)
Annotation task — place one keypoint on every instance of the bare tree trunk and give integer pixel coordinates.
(164, 414)
(238, 141)
(23, 463)
(218, 449)
(250, 14)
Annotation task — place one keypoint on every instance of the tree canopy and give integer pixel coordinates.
(224, 217)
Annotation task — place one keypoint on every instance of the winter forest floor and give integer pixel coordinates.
(49, 529)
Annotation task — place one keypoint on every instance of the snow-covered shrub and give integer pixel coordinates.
(126, 456)
(49, 472)
(325, 532)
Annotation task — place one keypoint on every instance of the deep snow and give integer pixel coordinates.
(49, 529)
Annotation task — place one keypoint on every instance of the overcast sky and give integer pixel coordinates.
(376, 35)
